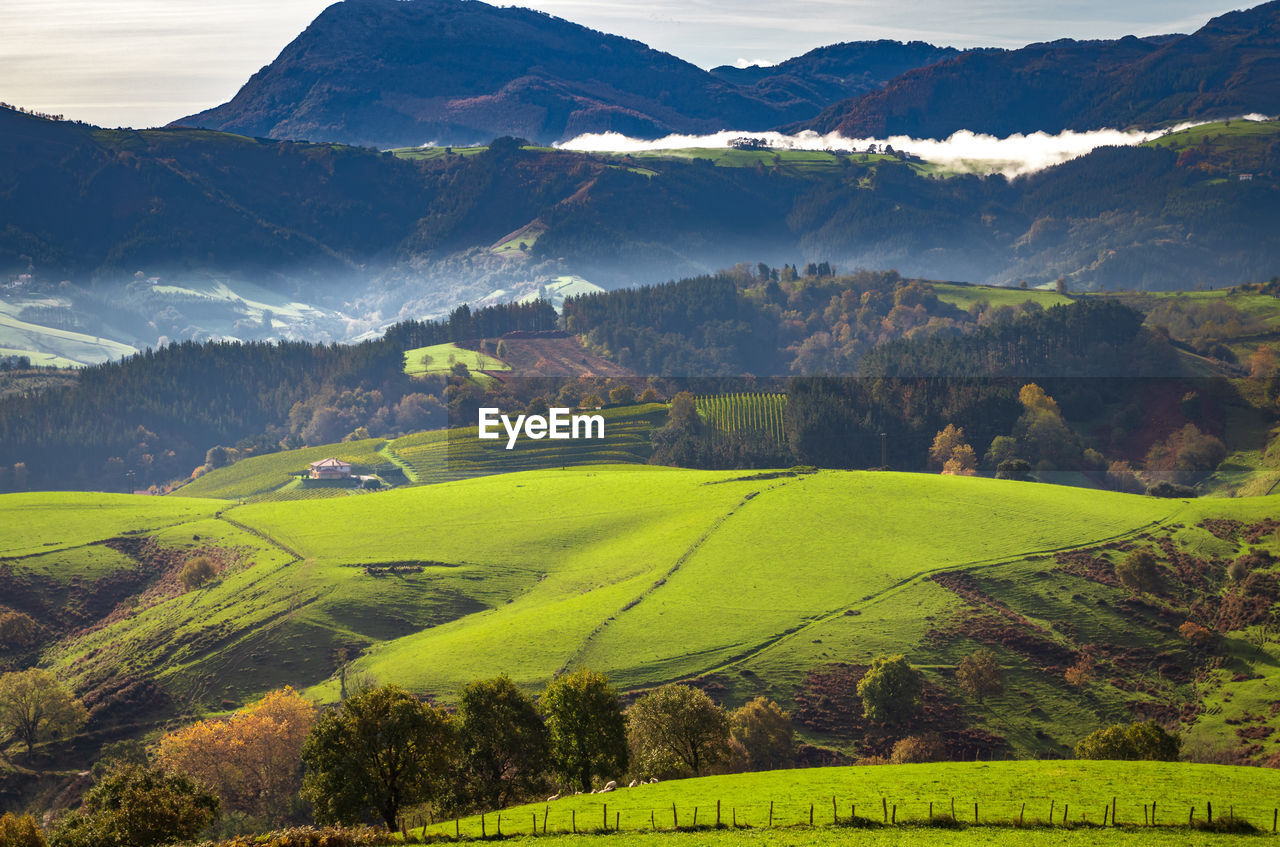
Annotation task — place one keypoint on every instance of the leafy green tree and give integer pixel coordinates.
(1147, 741)
(891, 691)
(979, 674)
(1138, 572)
(622, 395)
(137, 806)
(505, 749)
(677, 725)
(587, 727)
(381, 751)
(35, 707)
(764, 732)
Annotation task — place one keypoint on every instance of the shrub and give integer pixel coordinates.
(138, 807)
(196, 572)
(311, 836)
(1147, 741)
(1138, 572)
(17, 629)
(21, 831)
(918, 749)
(1171, 491)
(979, 674)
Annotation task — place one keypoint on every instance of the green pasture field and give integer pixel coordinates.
(1000, 790)
(427, 153)
(1235, 132)
(439, 358)
(44, 522)
(56, 347)
(964, 296)
(441, 456)
(260, 475)
(821, 836)
(751, 581)
(791, 161)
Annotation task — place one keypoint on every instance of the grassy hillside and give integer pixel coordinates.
(431, 457)
(261, 475)
(751, 583)
(999, 788)
(440, 358)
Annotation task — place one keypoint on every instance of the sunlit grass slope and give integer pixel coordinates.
(1080, 788)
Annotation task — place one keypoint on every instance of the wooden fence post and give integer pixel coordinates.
(835, 816)
(894, 821)
(535, 823)
(953, 809)
(1022, 814)
(457, 827)
(499, 824)
(930, 811)
(717, 813)
(1051, 802)
(617, 821)
(810, 814)
(482, 832)
(1153, 812)
(546, 810)
(771, 813)
(574, 820)
(605, 812)
(1065, 807)
(975, 811)
(1113, 811)
(884, 806)
(675, 818)
(1208, 806)
(652, 823)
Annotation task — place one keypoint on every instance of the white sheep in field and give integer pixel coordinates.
(553, 797)
(632, 785)
(610, 785)
(653, 780)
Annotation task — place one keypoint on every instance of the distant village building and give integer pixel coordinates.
(330, 469)
(1246, 177)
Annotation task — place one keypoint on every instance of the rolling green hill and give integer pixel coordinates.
(752, 583)
(909, 792)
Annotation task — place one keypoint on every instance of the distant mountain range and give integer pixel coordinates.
(397, 73)
(1229, 67)
(393, 73)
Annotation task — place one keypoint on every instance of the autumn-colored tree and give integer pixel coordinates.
(1195, 633)
(36, 707)
(963, 462)
(1264, 363)
(918, 749)
(196, 572)
(253, 759)
(622, 395)
(1081, 672)
(979, 674)
(944, 445)
(20, 831)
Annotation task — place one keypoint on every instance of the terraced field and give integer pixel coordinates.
(441, 456)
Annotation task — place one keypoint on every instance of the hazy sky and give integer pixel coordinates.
(147, 62)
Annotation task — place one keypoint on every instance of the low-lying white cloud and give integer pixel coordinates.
(966, 151)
